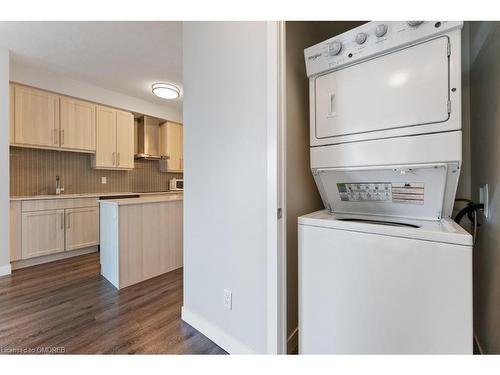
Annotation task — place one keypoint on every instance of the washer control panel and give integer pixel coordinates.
(370, 39)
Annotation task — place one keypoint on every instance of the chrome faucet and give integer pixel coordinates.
(59, 189)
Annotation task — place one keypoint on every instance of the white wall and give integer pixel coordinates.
(225, 200)
(40, 77)
(485, 153)
(4, 162)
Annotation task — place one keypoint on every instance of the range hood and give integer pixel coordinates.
(148, 138)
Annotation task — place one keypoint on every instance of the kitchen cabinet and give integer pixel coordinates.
(77, 124)
(82, 227)
(48, 226)
(36, 117)
(141, 238)
(124, 139)
(114, 139)
(42, 233)
(105, 138)
(11, 114)
(41, 119)
(15, 233)
(171, 136)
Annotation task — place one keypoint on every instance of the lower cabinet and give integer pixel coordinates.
(43, 233)
(82, 227)
(54, 226)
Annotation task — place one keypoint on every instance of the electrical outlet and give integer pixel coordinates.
(228, 299)
(104, 180)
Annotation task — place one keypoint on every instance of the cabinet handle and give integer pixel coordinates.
(62, 220)
(118, 162)
(114, 158)
(62, 137)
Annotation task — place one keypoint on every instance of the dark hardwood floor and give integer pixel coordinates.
(68, 304)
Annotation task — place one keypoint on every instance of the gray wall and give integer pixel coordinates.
(225, 215)
(485, 153)
(4, 162)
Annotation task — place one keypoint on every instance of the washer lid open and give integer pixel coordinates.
(407, 191)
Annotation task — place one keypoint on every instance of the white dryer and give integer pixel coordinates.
(383, 269)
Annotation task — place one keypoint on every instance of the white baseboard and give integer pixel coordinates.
(292, 342)
(5, 270)
(221, 338)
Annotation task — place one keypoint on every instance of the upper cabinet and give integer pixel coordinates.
(114, 140)
(171, 135)
(36, 117)
(45, 120)
(77, 130)
(124, 140)
(41, 119)
(11, 114)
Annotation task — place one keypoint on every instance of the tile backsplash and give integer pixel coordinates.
(33, 172)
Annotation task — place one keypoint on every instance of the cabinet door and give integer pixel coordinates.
(42, 233)
(36, 117)
(105, 156)
(11, 114)
(181, 146)
(77, 124)
(124, 140)
(82, 227)
(174, 146)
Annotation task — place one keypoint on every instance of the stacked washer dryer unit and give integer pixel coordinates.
(383, 269)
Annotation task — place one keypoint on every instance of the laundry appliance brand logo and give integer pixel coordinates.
(314, 57)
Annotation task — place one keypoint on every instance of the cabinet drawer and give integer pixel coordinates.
(58, 204)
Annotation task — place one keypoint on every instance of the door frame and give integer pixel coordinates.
(276, 224)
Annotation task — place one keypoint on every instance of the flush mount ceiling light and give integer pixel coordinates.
(166, 90)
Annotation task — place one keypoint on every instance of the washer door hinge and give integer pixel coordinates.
(280, 212)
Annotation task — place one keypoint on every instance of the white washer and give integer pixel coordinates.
(383, 269)
(368, 288)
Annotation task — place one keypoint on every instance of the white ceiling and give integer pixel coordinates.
(126, 57)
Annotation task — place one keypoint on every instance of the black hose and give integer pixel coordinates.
(471, 207)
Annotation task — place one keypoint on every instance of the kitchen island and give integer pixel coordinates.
(140, 238)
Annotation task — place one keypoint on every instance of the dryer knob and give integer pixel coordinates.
(414, 23)
(380, 30)
(361, 38)
(335, 48)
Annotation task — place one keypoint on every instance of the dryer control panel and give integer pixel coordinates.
(373, 38)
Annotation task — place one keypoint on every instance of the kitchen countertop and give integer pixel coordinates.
(143, 200)
(89, 195)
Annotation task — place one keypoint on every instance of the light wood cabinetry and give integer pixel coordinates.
(15, 233)
(115, 139)
(11, 114)
(36, 117)
(41, 119)
(171, 136)
(77, 124)
(106, 138)
(42, 233)
(124, 140)
(145, 241)
(50, 226)
(82, 227)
